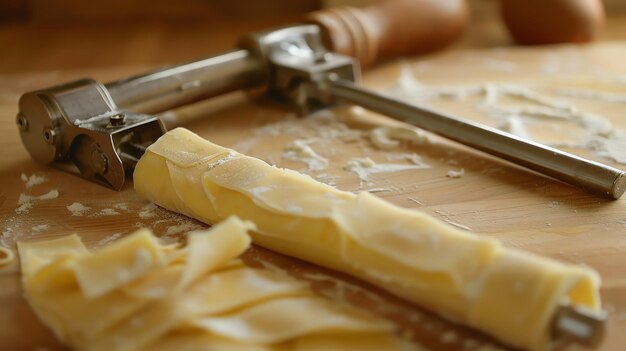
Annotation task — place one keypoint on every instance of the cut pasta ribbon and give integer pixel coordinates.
(137, 294)
(510, 294)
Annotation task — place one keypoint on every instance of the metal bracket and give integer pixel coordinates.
(296, 61)
(79, 122)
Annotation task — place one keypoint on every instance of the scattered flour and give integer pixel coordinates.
(592, 94)
(33, 180)
(601, 136)
(365, 166)
(39, 228)
(24, 208)
(322, 124)
(458, 225)
(147, 211)
(515, 125)
(300, 151)
(412, 199)
(413, 158)
(6, 237)
(456, 174)
(612, 146)
(26, 202)
(173, 232)
(77, 209)
(182, 228)
(231, 156)
(379, 190)
(387, 138)
(121, 206)
(105, 212)
(108, 239)
(554, 204)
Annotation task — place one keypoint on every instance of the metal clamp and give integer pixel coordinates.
(295, 61)
(80, 123)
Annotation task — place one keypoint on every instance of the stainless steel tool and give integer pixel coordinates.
(63, 122)
(102, 129)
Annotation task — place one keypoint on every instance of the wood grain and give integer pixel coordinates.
(494, 198)
(391, 29)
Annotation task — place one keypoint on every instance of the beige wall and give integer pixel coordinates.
(480, 7)
(60, 11)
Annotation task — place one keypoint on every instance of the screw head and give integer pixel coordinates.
(21, 121)
(117, 120)
(49, 135)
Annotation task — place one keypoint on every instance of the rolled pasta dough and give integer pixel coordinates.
(462, 276)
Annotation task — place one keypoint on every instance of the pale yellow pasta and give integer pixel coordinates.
(460, 275)
(137, 294)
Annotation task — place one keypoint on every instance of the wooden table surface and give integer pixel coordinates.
(494, 198)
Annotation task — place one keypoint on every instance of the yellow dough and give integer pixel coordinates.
(138, 294)
(507, 293)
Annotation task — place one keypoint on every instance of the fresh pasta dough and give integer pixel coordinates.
(507, 293)
(138, 294)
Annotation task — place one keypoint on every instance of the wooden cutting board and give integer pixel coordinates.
(493, 198)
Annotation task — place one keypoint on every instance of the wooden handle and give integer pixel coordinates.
(391, 28)
(532, 22)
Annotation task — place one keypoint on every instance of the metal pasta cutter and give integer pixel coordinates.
(94, 126)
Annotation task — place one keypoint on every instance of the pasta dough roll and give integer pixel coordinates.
(507, 293)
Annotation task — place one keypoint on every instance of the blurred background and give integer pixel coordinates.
(41, 35)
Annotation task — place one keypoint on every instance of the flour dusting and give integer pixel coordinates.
(524, 105)
(456, 174)
(363, 167)
(387, 138)
(458, 225)
(105, 212)
(39, 228)
(182, 228)
(300, 151)
(147, 211)
(26, 202)
(108, 239)
(612, 146)
(515, 125)
(322, 124)
(593, 95)
(33, 180)
(77, 209)
(412, 158)
(123, 206)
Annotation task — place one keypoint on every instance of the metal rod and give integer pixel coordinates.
(174, 86)
(583, 173)
(577, 324)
